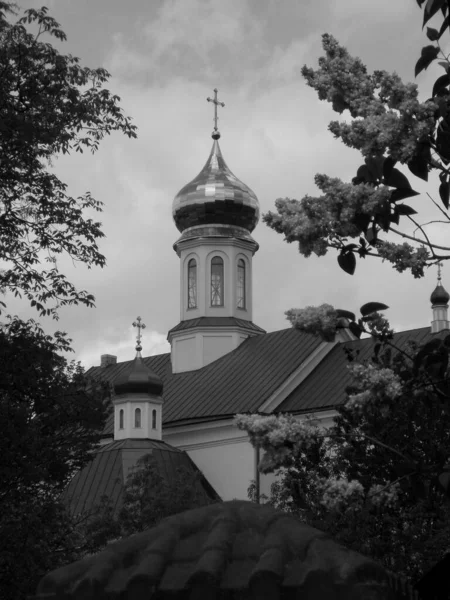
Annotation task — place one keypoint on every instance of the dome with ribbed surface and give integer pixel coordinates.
(137, 378)
(215, 196)
(440, 295)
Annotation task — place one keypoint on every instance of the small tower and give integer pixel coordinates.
(138, 401)
(215, 214)
(439, 303)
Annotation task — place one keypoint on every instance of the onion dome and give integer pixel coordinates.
(137, 378)
(440, 295)
(216, 197)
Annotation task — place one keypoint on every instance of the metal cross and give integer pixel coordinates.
(439, 265)
(139, 326)
(216, 104)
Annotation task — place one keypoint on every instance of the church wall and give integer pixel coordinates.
(225, 456)
(222, 452)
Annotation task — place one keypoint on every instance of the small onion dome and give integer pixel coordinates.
(215, 196)
(440, 295)
(138, 379)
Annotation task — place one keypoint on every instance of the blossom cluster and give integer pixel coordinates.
(316, 221)
(372, 383)
(404, 256)
(388, 116)
(322, 320)
(279, 437)
(341, 495)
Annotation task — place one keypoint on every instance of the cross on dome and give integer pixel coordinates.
(139, 326)
(439, 266)
(216, 133)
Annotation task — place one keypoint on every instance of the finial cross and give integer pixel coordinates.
(216, 104)
(439, 265)
(139, 326)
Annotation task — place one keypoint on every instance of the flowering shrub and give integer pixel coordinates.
(320, 320)
(387, 124)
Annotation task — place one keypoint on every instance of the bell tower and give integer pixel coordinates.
(215, 214)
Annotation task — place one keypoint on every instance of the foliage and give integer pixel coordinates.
(378, 479)
(49, 104)
(148, 498)
(388, 125)
(52, 419)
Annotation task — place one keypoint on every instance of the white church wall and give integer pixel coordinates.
(224, 454)
(221, 451)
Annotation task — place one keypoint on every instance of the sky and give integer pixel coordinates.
(165, 57)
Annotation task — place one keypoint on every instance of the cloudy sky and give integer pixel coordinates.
(165, 57)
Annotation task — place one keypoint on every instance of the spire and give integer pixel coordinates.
(216, 200)
(137, 378)
(139, 326)
(439, 303)
(216, 133)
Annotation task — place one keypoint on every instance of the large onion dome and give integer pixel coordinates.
(215, 197)
(137, 378)
(440, 295)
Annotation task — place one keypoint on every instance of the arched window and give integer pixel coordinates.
(217, 281)
(121, 419)
(137, 417)
(241, 283)
(153, 419)
(192, 283)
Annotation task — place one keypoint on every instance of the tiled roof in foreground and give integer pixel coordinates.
(227, 550)
(240, 381)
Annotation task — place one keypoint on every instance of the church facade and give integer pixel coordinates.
(221, 363)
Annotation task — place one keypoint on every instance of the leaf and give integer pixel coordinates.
(432, 34)
(443, 27)
(372, 307)
(445, 65)
(401, 194)
(397, 179)
(355, 329)
(362, 221)
(429, 53)
(444, 482)
(388, 165)
(375, 166)
(444, 193)
(404, 209)
(419, 167)
(431, 8)
(346, 314)
(371, 235)
(441, 83)
(347, 262)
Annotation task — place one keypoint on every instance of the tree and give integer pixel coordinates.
(149, 497)
(49, 104)
(52, 419)
(378, 479)
(389, 126)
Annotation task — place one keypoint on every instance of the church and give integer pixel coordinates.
(180, 406)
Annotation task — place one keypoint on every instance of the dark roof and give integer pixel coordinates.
(325, 386)
(240, 381)
(216, 322)
(106, 474)
(237, 548)
(138, 379)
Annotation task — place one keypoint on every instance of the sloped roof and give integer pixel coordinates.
(232, 549)
(325, 386)
(106, 474)
(240, 381)
(216, 322)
